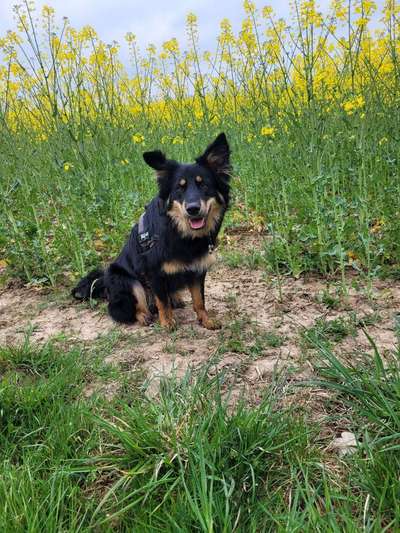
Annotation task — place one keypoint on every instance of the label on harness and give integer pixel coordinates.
(143, 237)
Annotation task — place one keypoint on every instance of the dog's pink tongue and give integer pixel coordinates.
(197, 223)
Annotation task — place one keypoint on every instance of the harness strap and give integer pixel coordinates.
(141, 229)
(146, 241)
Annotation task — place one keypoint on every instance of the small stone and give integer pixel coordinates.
(344, 444)
(262, 368)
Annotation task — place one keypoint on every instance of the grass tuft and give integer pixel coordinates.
(369, 389)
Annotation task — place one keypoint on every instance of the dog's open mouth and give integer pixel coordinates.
(197, 223)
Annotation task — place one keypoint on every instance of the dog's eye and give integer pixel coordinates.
(182, 183)
(200, 182)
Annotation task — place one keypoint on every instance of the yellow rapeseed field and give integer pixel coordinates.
(51, 74)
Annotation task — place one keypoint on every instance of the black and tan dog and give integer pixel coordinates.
(172, 246)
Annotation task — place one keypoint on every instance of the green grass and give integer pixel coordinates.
(369, 389)
(331, 332)
(328, 331)
(187, 463)
(245, 337)
(43, 427)
(236, 259)
(189, 459)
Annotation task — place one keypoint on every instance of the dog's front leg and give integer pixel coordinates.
(197, 292)
(163, 303)
(165, 314)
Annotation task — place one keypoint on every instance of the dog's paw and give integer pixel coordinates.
(169, 325)
(144, 319)
(211, 323)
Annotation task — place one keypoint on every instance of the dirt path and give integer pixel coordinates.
(267, 323)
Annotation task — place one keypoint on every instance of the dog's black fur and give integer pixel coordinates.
(182, 222)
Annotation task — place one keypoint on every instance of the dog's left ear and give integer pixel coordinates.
(216, 156)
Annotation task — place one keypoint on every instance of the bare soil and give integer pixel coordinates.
(259, 304)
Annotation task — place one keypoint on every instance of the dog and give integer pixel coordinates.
(172, 246)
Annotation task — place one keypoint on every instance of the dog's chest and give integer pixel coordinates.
(200, 264)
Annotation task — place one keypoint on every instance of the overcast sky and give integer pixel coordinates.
(152, 21)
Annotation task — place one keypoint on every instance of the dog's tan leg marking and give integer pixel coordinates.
(166, 315)
(143, 315)
(200, 310)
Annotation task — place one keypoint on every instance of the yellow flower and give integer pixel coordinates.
(47, 11)
(171, 47)
(99, 245)
(351, 255)
(249, 7)
(267, 11)
(124, 161)
(352, 105)
(376, 225)
(137, 138)
(67, 166)
(191, 19)
(177, 140)
(130, 37)
(267, 131)
(340, 9)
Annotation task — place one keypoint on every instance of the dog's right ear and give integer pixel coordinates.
(164, 169)
(156, 160)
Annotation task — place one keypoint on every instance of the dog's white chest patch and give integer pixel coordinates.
(199, 265)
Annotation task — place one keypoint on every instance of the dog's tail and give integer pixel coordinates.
(127, 301)
(91, 286)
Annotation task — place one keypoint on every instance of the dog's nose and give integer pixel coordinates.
(193, 208)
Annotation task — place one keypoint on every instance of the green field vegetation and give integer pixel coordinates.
(188, 460)
(326, 191)
(310, 107)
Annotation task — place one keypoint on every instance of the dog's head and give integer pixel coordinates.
(197, 194)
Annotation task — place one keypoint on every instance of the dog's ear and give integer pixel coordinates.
(216, 156)
(156, 160)
(164, 168)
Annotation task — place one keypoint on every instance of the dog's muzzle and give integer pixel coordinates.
(195, 216)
